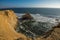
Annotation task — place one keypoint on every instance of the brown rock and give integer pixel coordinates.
(27, 16)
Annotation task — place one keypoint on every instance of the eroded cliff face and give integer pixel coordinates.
(8, 21)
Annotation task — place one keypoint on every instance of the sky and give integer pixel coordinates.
(30, 3)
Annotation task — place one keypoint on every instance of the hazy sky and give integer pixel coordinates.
(30, 3)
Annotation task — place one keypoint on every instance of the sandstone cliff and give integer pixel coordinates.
(8, 21)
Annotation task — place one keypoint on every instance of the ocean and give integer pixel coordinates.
(50, 12)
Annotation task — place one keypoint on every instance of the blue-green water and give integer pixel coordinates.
(51, 12)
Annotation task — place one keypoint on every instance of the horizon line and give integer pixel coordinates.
(29, 7)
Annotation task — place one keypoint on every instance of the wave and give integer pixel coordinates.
(41, 18)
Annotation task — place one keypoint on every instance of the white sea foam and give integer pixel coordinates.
(40, 18)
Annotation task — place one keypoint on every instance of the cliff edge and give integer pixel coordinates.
(8, 22)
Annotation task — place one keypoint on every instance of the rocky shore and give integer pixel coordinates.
(34, 29)
(10, 28)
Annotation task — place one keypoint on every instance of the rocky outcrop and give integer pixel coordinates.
(27, 16)
(8, 22)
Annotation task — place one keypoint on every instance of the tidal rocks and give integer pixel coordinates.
(27, 16)
(36, 30)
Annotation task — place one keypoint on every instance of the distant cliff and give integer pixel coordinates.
(8, 21)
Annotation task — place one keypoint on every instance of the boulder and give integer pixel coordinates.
(27, 16)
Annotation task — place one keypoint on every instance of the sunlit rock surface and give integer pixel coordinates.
(8, 22)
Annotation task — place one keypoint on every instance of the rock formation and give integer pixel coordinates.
(27, 16)
(8, 23)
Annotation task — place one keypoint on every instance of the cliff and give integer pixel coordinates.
(8, 22)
